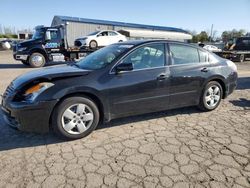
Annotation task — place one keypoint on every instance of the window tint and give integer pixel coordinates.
(182, 54)
(203, 56)
(148, 56)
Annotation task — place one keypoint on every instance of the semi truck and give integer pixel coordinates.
(238, 50)
(48, 44)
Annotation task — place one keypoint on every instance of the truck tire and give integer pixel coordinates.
(93, 44)
(37, 60)
(25, 62)
(242, 58)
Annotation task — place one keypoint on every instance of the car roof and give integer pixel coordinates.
(140, 42)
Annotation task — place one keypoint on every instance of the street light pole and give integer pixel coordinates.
(211, 32)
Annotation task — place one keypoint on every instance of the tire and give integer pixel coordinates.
(120, 41)
(25, 62)
(242, 58)
(66, 121)
(93, 44)
(210, 99)
(37, 60)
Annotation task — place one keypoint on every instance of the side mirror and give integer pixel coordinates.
(124, 67)
(47, 36)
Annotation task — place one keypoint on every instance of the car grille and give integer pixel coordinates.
(9, 91)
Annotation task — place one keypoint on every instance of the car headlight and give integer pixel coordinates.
(33, 92)
(22, 49)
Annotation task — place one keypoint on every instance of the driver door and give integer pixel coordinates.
(145, 88)
(103, 38)
(55, 41)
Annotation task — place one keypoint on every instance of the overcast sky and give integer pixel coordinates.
(187, 14)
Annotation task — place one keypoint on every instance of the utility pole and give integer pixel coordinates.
(211, 32)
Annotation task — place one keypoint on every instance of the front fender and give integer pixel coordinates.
(90, 92)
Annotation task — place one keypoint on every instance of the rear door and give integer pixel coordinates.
(189, 70)
(145, 88)
(113, 36)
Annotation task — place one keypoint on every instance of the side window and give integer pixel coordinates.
(104, 33)
(182, 54)
(203, 56)
(111, 33)
(245, 42)
(148, 56)
(54, 34)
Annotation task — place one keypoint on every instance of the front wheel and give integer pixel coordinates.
(37, 60)
(75, 117)
(93, 44)
(211, 96)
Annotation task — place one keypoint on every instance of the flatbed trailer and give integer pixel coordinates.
(48, 44)
(234, 55)
(238, 51)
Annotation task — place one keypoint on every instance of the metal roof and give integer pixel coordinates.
(121, 24)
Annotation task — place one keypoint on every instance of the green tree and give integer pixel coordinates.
(230, 35)
(203, 37)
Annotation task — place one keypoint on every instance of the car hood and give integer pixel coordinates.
(48, 74)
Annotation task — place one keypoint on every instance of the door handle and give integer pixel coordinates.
(162, 77)
(205, 69)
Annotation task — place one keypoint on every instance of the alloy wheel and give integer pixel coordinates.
(212, 96)
(77, 118)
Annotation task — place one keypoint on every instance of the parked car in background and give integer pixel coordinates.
(212, 48)
(100, 39)
(122, 79)
(6, 44)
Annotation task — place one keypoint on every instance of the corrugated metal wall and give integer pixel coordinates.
(77, 30)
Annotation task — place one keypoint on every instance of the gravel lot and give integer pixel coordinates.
(176, 148)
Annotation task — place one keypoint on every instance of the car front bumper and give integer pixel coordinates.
(29, 117)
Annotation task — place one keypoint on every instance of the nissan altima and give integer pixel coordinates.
(122, 79)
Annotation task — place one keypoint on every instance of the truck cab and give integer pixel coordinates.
(242, 43)
(39, 50)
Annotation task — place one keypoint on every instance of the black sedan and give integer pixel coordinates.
(120, 80)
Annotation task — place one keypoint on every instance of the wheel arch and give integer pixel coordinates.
(91, 96)
(221, 81)
(41, 51)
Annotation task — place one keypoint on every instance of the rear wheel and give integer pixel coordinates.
(93, 44)
(75, 117)
(211, 96)
(37, 60)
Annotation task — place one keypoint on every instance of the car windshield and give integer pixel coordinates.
(103, 57)
(38, 34)
(94, 33)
